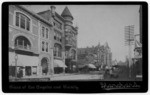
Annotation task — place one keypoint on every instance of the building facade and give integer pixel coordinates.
(29, 42)
(36, 41)
(65, 37)
(140, 21)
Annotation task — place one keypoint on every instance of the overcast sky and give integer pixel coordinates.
(101, 23)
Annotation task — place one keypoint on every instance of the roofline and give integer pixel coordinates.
(42, 12)
(60, 16)
(34, 14)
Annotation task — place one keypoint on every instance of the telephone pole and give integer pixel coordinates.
(129, 40)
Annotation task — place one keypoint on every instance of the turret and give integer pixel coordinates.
(67, 16)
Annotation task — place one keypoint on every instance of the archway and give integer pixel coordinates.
(44, 64)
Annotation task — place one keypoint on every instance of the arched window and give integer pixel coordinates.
(22, 21)
(57, 50)
(22, 42)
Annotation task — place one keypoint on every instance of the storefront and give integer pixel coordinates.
(59, 66)
(26, 65)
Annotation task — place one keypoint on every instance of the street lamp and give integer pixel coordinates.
(16, 58)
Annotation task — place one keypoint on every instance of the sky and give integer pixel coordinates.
(101, 23)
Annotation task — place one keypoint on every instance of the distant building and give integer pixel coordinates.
(98, 55)
(114, 62)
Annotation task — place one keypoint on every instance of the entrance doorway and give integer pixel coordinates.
(44, 64)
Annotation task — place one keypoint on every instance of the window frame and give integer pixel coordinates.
(57, 50)
(23, 43)
(19, 20)
(45, 32)
(44, 46)
(57, 36)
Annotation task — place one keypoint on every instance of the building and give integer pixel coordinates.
(99, 55)
(71, 33)
(30, 47)
(140, 21)
(58, 38)
(37, 41)
(65, 37)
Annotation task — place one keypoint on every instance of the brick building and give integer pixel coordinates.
(38, 42)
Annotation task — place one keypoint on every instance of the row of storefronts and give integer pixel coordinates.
(40, 43)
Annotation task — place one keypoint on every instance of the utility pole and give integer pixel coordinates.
(129, 40)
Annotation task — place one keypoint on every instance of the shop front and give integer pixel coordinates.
(24, 64)
(59, 66)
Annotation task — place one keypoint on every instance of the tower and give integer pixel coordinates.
(70, 38)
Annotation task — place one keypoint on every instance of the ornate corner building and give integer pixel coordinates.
(99, 55)
(40, 43)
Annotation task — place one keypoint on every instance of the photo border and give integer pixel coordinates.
(74, 86)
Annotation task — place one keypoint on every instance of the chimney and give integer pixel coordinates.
(53, 10)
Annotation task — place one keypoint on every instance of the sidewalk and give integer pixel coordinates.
(76, 77)
(63, 77)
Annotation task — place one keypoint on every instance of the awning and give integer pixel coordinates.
(91, 66)
(59, 63)
(23, 60)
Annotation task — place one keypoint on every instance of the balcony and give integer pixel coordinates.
(24, 48)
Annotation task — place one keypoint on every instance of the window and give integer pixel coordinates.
(46, 46)
(17, 19)
(43, 30)
(28, 24)
(34, 70)
(28, 70)
(22, 21)
(54, 51)
(57, 24)
(58, 36)
(22, 42)
(46, 33)
(57, 50)
(42, 45)
(55, 35)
